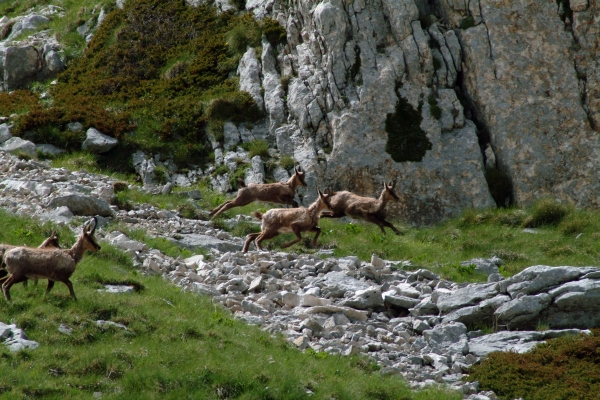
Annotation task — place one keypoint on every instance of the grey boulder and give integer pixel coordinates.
(97, 142)
(18, 145)
(80, 204)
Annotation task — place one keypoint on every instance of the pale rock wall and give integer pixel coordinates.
(532, 81)
(347, 64)
(527, 70)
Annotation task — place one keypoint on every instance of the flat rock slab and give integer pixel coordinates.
(195, 242)
(15, 339)
(118, 289)
(520, 342)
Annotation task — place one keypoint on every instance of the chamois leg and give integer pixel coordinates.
(296, 231)
(392, 227)
(229, 205)
(377, 222)
(70, 286)
(264, 236)
(249, 239)
(11, 280)
(219, 207)
(318, 232)
(50, 286)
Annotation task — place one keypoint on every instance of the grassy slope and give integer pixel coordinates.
(177, 345)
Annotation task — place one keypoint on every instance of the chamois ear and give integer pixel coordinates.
(391, 184)
(91, 232)
(298, 170)
(319, 191)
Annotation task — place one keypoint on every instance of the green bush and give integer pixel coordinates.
(189, 211)
(435, 109)
(563, 368)
(243, 35)
(546, 212)
(17, 102)
(238, 107)
(287, 162)
(257, 148)
(273, 32)
(154, 76)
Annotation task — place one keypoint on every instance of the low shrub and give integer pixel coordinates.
(546, 212)
(563, 368)
(287, 162)
(257, 148)
(435, 109)
(273, 31)
(189, 211)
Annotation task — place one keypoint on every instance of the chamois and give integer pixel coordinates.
(52, 264)
(278, 192)
(295, 220)
(366, 208)
(51, 241)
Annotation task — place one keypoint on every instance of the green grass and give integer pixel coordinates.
(177, 345)
(496, 232)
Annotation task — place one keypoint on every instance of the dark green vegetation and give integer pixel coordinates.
(562, 369)
(176, 346)
(435, 109)
(157, 76)
(467, 22)
(406, 140)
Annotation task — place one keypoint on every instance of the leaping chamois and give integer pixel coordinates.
(278, 192)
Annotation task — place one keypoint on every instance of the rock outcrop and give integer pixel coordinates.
(378, 90)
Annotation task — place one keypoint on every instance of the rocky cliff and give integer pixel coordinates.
(465, 104)
(416, 91)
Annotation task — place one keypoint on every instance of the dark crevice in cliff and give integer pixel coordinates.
(496, 176)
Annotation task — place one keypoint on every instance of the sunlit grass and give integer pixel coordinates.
(175, 345)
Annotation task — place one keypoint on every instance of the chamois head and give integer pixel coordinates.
(325, 197)
(88, 236)
(52, 240)
(299, 176)
(389, 190)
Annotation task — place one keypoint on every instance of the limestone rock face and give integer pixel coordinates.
(354, 72)
(526, 83)
(34, 58)
(348, 66)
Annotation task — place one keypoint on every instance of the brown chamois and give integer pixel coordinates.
(295, 220)
(52, 264)
(50, 242)
(278, 192)
(366, 208)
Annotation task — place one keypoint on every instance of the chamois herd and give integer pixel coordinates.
(50, 262)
